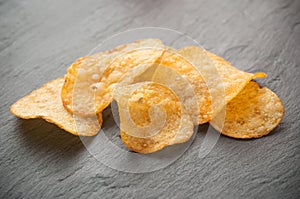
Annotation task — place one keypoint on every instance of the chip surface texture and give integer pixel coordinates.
(253, 113)
(82, 76)
(45, 103)
(177, 126)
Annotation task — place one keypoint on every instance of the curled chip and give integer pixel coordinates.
(212, 81)
(81, 86)
(177, 73)
(253, 113)
(45, 103)
(223, 80)
(161, 94)
(117, 70)
(151, 117)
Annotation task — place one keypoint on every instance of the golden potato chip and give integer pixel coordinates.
(117, 70)
(46, 103)
(145, 130)
(81, 86)
(253, 113)
(181, 76)
(233, 79)
(214, 81)
(183, 89)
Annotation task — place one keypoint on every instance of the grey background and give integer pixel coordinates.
(40, 39)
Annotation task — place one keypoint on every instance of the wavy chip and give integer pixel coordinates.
(253, 113)
(183, 87)
(145, 130)
(117, 70)
(210, 80)
(45, 103)
(223, 80)
(80, 87)
(177, 73)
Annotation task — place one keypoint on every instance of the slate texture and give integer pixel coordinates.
(40, 39)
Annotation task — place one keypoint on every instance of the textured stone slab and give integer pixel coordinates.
(39, 39)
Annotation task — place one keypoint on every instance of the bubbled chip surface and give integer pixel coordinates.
(120, 67)
(80, 87)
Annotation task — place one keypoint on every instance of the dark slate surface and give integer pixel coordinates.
(39, 39)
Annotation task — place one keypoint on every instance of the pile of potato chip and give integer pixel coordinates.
(161, 92)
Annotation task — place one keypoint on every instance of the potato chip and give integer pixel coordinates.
(143, 58)
(214, 81)
(181, 86)
(81, 86)
(46, 103)
(181, 76)
(176, 89)
(253, 113)
(144, 131)
(233, 79)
